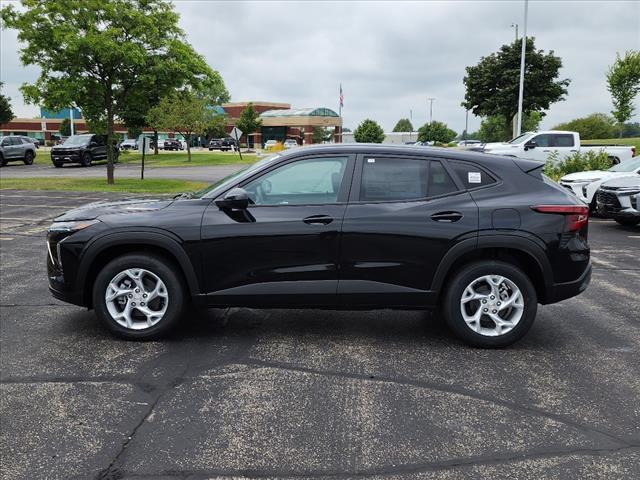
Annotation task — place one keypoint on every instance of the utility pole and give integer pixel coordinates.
(431, 99)
(521, 89)
(466, 125)
(71, 120)
(516, 27)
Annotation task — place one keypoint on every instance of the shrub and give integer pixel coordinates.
(436, 132)
(596, 125)
(577, 162)
(369, 132)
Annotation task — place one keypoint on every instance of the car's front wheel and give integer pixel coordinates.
(28, 157)
(139, 296)
(86, 159)
(490, 304)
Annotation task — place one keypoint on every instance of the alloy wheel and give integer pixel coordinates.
(136, 298)
(492, 305)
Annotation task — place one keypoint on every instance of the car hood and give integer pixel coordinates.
(94, 210)
(589, 174)
(632, 180)
(66, 147)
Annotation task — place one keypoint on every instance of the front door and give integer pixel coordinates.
(283, 249)
(404, 215)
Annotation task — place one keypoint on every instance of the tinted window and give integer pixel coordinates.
(543, 140)
(440, 182)
(387, 179)
(470, 175)
(311, 181)
(16, 141)
(563, 140)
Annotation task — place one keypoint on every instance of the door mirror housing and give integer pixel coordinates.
(530, 144)
(235, 199)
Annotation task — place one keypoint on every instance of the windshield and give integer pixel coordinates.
(77, 140)
(221, 184)
(520, 138)
(626, 166)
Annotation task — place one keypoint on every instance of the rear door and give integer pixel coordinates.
(564, 144)
(404, 214)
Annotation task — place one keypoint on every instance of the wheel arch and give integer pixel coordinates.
(110, 246)
(520, 251)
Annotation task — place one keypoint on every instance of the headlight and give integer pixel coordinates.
(58, 232)
(71, 227)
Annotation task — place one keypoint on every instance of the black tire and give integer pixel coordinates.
(86, 159)
(451, 303)
(627, 222)
(159, 266)
(28, 157)
(57, 164)
(3, 162)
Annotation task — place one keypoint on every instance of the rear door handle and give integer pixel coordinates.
(318, 220)
(447, 217)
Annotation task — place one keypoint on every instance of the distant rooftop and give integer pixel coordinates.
(300, 112)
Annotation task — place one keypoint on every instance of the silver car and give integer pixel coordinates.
(15, 147)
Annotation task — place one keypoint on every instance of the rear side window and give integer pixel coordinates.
(562, 140)
(397, 179)
(470, 175)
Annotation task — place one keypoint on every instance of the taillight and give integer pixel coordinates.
(576, 216)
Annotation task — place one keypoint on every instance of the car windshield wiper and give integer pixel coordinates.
(183, 195)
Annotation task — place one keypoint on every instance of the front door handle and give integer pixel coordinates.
(318, 220)
(447, 217)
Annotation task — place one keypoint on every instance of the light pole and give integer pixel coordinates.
(431, 99)
(522, 54)
(515, 25)
(466, 125)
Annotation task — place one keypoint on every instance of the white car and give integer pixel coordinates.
(290, 143)
(585, 184)
(270, 144)
(540, 145)
(469, 143)
(618, 199)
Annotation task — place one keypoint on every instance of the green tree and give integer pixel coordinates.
(492, 85)
(630, 130)
(215, 129)
(436, 132)
(182, 113)
(65, 128)
(492, 129)
(322, 134)
(623, 82)
(6, 113)
(368, 132)
(531, 121)
(249, 121)
(403, 125)
(108, 57)
(596, 125)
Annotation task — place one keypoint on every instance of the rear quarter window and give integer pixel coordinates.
(470, 175)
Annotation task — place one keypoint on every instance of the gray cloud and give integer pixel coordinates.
(389, 56)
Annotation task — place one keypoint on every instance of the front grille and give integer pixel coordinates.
(608, 201)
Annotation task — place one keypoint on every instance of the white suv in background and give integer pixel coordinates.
(585, 184)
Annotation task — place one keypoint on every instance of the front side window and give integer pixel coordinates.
(543, 140)
(305, 182)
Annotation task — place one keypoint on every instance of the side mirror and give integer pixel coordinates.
(237, 199)
(530, 144)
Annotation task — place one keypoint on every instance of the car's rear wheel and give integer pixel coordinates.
(627, 222)
(28, 157)
(139, 296)
(490, 304)
(3, 162)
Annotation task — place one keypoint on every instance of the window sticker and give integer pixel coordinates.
(474, 177)
(371, 160)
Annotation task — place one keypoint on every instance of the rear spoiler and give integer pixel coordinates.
(528, 166)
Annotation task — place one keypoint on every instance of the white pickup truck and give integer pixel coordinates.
(539, 145)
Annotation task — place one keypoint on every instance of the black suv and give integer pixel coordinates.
(483, 238)
(82, 149)
(172, 144)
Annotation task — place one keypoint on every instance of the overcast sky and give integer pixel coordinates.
(389, 56)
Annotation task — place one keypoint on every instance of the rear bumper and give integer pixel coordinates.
(562, 291)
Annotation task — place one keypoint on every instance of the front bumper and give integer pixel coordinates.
(70, 157)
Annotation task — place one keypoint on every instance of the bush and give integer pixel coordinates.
(369, 132)
(577, 162)
(596, 125)
(436, 132)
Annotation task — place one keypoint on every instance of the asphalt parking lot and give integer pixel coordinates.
(300, 394)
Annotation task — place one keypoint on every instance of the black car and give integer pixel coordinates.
(224, 144)
(483, 238)
(172, 144)
(83, 149)
(215, 144)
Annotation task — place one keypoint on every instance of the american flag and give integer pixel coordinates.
(341, 97)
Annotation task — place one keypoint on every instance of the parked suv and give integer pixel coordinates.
(173, 144)
(16, 147)
(83, 149)
(340, 227)
(618, 199)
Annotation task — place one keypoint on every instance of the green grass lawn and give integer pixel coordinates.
(128, 185)
(633, 141)
(180, 159)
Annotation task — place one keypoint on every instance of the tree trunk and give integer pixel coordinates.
(155, 142)
(110, 180)
(188, 137)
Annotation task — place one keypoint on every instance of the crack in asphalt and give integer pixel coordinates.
(451, 464)
(448, 389)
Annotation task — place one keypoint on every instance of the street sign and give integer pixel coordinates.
(235, 133)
